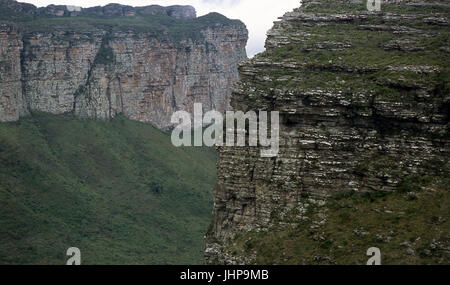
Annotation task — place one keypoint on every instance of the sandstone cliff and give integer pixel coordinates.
(364, 103)
(144, 62)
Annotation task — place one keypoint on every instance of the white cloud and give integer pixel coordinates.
(258, 15)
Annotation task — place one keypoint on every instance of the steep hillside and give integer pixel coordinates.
(117, 190)
(364, 105)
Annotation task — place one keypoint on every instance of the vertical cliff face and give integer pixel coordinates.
(12, 104)
(99, 75)
(159, 62)
(364, 103)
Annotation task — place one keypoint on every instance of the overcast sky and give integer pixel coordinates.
(258, 15)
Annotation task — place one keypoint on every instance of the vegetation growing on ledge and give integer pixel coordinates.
(105, 54)
(411, 226)
(117, 190)
(157, 26)
(348, 57)
(333, 6)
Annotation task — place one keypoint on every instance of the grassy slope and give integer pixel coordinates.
(354, 223)
(117, 190)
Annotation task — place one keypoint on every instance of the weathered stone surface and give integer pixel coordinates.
(98, 74)
(349, 122)
(12, 104)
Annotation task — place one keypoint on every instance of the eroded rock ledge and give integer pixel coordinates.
(364, 100)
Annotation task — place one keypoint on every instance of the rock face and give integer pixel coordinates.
(12, 103)
(364, 103)
(146, 73)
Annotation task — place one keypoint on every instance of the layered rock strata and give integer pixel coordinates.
(364, 103)
(146, 70)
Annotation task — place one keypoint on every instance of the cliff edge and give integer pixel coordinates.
(364, 149)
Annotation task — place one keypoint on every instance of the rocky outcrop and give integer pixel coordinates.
(12, 103)
(145, 72)
(364, 104)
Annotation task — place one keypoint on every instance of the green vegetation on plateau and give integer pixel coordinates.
(408, 228)
(365, 65)
(157, 26)
(117, 190)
